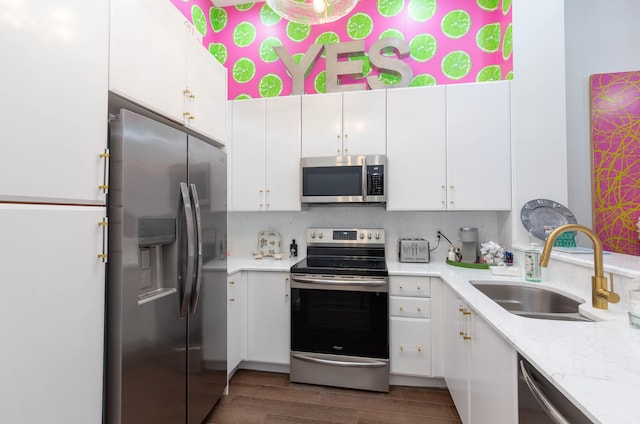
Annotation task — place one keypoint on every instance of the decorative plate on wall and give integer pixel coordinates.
(541, 216)
(269, 243)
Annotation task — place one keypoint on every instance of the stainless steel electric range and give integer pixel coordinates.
(339, 310)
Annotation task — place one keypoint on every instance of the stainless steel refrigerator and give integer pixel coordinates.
(166, 287)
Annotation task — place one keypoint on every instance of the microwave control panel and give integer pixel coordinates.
(375, 180)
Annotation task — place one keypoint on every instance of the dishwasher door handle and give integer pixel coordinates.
(546, 405)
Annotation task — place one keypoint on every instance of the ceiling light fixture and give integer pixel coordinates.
(312, 12)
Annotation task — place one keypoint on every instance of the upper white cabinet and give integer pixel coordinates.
(449, 148)
(479, 146)
(416, 148)
(54, 100)
(479, 366)
(207, 92)
(340, 124)
(156, 61)
(268, 317)
(51, 314)
(265, 154)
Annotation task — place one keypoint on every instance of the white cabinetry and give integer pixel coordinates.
(265, 154)
(155, 61)
(268, 317)
(236, 321)
(479, 366)
(410, 344)
(479, 146)
(340, 124)
(54, 100)
(416, 148)
(449, 148)
(51, 314)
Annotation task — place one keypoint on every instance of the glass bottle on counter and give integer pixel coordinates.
(532, 268)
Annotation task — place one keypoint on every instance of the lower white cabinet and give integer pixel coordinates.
(410, 323)
(479, 366)
(51, 314)
(236, 321)
(268, 317)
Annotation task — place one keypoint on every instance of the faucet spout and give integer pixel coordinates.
(600, 293)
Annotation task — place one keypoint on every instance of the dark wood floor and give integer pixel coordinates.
(270, 398)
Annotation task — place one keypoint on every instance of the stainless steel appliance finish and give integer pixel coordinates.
(539, 402)
(339, 310)
(166, 316)
(413, 250)
(343, 179)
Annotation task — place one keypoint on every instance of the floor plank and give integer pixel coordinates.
(270, 398)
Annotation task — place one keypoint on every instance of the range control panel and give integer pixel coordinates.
(372, 236)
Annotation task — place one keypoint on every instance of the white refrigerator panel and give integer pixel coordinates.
(54, 100)
(51, 314)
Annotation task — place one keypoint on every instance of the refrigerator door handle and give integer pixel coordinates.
(188, 280)
(198, 262)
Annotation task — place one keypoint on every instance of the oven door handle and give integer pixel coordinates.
(312, 280)
(313, 359)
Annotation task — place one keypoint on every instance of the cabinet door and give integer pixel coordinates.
(322, 125)
(410, 346)
(364, 122)
(147, 55)
(493, 376)
(248, 155)
(236, 324)
(416, 148)
(456, 353)
(478, 146)
(207, 83)
(51, 314)
(282, 154)
(268, 317)
(54, 96)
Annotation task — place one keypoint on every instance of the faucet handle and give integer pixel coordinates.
(612, 296)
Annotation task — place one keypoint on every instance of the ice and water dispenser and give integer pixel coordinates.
(156, 238)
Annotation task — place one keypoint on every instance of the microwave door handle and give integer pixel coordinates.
(365, 180)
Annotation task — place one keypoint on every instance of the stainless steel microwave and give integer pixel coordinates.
(343, 179)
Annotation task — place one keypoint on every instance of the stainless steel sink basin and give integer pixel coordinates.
(531, 302)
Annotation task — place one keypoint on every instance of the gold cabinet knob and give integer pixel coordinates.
(231, 299)
(401, 308)
(418, 287)
(419, 309)
(401, 347)
(401, 287)
(232, 282)
(419, 348)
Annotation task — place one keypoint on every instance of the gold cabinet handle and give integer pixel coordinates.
(105, 173)
(232, 282)
(191, 96)
(186, 91)
(466, 313)
(191, 117)
(231, 299)
(104, 255)
(465, 337)
(186, 114)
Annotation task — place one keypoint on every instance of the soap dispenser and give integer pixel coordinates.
(532, 268)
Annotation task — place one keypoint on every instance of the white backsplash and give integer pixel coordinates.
(244, 226)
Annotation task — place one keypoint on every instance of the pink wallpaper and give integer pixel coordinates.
(615, 138)
(451, 41)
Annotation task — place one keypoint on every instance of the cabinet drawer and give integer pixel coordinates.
(410, 286)
(410, 307)
(410, 346)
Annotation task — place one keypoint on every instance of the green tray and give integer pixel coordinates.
(467, 265)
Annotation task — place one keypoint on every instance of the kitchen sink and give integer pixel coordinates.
(532, 302)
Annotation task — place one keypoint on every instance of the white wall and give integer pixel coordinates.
(601, 37)
(538, 102)
(243, 227)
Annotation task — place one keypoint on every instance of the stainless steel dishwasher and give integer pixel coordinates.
(539, 402)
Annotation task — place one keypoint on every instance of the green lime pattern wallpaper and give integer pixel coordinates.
(450, 41)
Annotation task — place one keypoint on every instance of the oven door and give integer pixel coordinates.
(346, 316)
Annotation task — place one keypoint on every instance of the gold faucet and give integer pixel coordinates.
(600, 295)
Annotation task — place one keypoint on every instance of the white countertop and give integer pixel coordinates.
(595, 364)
